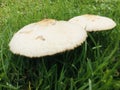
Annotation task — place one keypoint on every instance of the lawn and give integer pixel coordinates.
(95, 65)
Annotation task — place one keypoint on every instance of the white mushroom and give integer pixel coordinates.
(93, 22)
(47, 37)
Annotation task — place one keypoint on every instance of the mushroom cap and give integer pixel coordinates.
(93, 22)
(47, 37)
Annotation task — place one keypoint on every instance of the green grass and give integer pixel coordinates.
(93, 66)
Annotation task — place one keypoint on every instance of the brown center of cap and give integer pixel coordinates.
(91, 17)
(40, 37)
(47, 22)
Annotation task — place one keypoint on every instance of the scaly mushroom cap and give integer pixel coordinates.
(47, 37)
(93, 22)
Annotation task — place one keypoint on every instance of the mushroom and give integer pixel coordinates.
(47, 37)
(93, 22)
